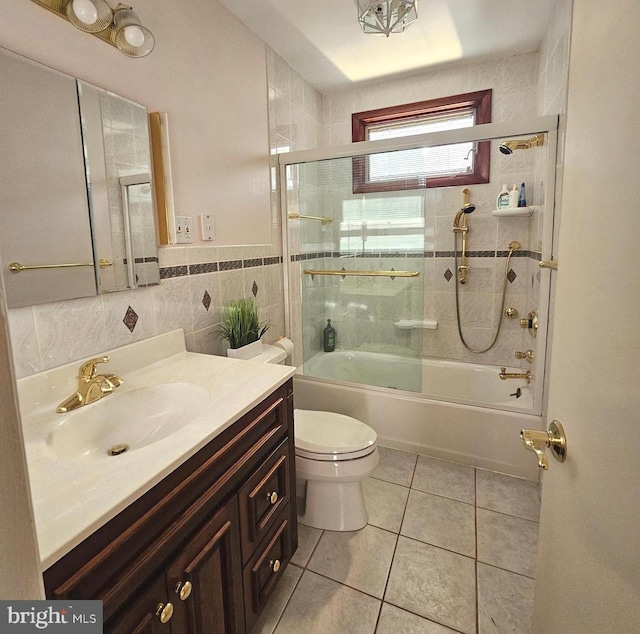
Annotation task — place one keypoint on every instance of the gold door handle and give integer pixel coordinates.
(274, 565)
(272, 497)
(183, 590)
(538, 441)
(164, 612)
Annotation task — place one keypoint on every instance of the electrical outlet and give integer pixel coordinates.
(184, 229)
(206, 224)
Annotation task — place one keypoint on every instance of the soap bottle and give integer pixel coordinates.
(522, 200)
(329, 337)
(514, 194)
(502, 201)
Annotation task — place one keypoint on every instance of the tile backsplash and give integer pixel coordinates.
(196, 283)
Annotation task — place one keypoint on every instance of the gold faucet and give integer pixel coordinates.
(504, 375)
(91, 386)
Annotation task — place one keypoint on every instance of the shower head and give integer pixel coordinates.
(467, 208)
(507, 147)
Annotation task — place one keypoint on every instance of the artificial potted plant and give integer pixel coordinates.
(242, 329)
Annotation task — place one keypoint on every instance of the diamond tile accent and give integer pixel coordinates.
(254, 289)
(206, 300)
(511, 275)
(130, 319)
(448, 275)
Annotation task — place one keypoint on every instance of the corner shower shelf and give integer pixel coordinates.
(513, 212)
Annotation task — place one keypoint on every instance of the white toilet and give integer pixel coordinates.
(334, 454)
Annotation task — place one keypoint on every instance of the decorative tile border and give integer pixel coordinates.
(174, 271)
(197, 269)
(182, 270)
(298, 257)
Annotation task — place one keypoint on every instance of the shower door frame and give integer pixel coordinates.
(547, 124)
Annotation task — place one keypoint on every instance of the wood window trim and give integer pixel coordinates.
(480, 101)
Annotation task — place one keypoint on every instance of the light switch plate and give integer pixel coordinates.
(206, 224)
(184, 229)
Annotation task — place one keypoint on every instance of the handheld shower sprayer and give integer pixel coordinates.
(507, 147)
(460, 226)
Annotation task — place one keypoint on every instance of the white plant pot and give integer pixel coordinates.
(246, 352)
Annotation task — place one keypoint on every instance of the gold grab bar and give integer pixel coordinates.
(16, 267)
(391, 274)
(323, 220)
(549, 264)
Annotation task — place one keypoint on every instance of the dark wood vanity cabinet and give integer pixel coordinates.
(203, 550)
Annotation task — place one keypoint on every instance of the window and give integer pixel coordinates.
(441, 166)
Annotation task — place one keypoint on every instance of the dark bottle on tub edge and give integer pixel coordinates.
(329, 337)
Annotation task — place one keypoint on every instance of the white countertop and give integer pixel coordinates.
(72, 498)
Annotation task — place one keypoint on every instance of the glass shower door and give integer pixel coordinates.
(362, 267)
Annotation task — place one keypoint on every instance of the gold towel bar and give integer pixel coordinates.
(16, 267)
(323, 220)
(390, 274)
(549, 264)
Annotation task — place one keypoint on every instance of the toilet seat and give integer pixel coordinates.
(328, 436)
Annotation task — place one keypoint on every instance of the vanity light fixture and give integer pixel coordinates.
(91, 16)
(119, 27)
(384, 17)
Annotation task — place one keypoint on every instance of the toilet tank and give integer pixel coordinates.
(271, 354)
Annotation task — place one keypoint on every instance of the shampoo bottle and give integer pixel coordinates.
(502, 201)
(329, 337)
(522, 201)
(514, 194)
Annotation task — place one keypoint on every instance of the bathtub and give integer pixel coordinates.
(457, 411)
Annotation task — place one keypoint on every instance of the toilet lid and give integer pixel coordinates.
(331, 436)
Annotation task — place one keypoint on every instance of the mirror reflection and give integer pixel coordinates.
(118, 164)
(77, 211)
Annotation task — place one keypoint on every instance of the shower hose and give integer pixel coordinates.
(513, 246)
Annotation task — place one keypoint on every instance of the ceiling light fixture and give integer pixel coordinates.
(383, 17)
(119, 27)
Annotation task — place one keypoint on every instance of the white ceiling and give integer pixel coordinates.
(323, 41)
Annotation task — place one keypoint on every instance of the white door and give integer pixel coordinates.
(588, 576)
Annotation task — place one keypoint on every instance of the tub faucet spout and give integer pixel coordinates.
(504, 375)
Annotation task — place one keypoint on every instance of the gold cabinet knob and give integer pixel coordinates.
(272, 497)
(183, 590)
(274, 565)
(164, 612)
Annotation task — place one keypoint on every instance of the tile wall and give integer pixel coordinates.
(295, 123)
(514, 81)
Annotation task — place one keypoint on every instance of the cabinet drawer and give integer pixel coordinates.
(263, 497)
(265, 568)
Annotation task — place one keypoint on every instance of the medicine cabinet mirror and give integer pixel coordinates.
(77, 213)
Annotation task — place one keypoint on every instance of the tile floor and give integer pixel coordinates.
(448, 548)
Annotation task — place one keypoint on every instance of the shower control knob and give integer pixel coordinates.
(511, 313)
(531, 323)
(528, 355)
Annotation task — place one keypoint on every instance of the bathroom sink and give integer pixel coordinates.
(128, 421)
